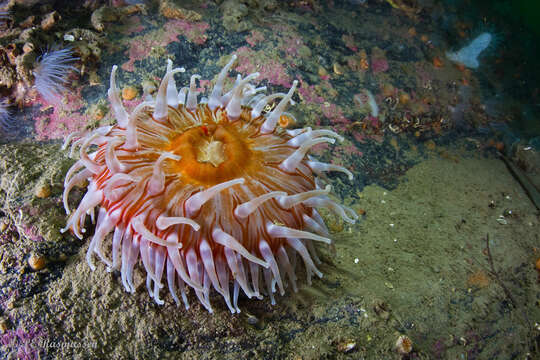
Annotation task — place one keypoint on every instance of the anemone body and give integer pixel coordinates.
(207, 193)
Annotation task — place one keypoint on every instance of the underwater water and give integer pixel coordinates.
(437, 104)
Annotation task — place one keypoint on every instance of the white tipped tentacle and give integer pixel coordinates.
(286, 265)
(196, 201)
(72, 170)
(227, 97)
(341, 210)
(117, 241)
(259, 106)
(215, 98)
(223, 275)
(164, 222)
(296, 132)
(90, 200)
(245, 209)
(172, 93)
(69, 139)
(191, 102)
(77, 179)
(290, 164)
(320, 167)
(237, 269)
(308, 135)
(234, 107)
(207, 258)
(288, 202)
(148, 262)
(131, 130)
(90, 164)
(182, 95)
(198, 278)
(230, 242)
(315, 226)
(171, 281)
(250, 92)
(116, 184)
(161, 107)
(302, 250)
(268, 255)
(120, 113)
(105, 225)
(114, 165)
(270, 123)
(139, 227)
(159, 264)
(277, 231)
(157, 181)
(179, 265)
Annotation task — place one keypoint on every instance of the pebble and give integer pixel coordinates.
(37, 262)
(148, 87)
(49, 20)
(346, 346)
(322, 71)
(43, 191)
(3, 325)
(404, 345)
(27, 47)
(338, 69)
(129, 93)
(252, 320)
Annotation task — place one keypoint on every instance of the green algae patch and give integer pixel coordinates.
(31, 186)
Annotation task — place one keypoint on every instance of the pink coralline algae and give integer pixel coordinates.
(291, 45)
(193, 31)
(308, 94)
(335, 114)
(61, 120)
(139, 47)
(349, 42)
(379, 65)
(254, 38)
(31, 232)
(26, 342)
(270, 69)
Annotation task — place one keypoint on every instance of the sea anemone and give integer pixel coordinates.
(5, 14)
(51, 71)
(209, 192)
(6, 118)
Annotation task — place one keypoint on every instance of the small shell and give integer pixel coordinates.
(404, 345)
(346, 346)
(37, 262)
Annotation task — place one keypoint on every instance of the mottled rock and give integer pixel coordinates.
(234, 13)
(49, 20)
(172, 11)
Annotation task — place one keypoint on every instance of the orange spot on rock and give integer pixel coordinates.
(478, 279)
(437, 62)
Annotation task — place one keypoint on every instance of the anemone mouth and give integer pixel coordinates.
(212, 153)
